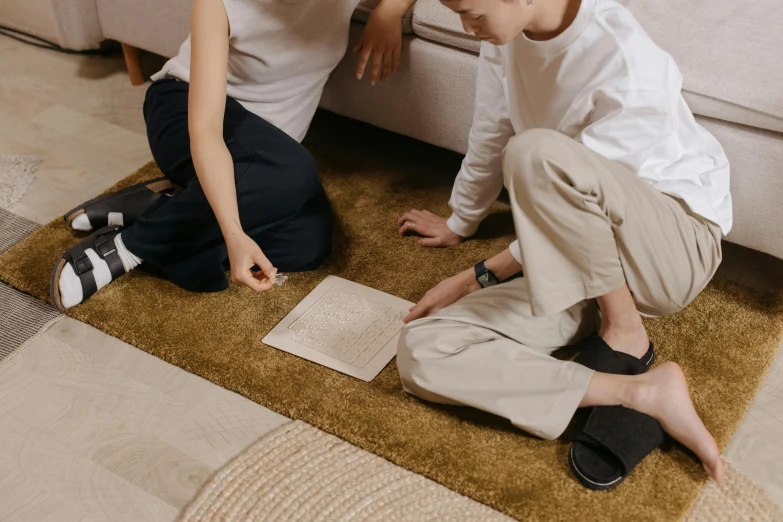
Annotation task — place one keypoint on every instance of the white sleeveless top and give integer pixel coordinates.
(281, 53)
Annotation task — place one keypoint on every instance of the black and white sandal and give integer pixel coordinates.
(124, 207)
(614, 439)
(102, 243)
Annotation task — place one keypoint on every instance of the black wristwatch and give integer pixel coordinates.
(484, 275)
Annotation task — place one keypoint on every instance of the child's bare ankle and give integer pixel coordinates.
(627, 338)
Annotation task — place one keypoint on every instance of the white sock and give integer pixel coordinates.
(82, 222)
(129, 261)
(71, 286)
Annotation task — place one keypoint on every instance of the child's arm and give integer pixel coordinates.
(504, 265)
(480, 179)
(211, 158)
(382, 39)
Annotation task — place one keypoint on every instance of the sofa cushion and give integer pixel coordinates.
(729, 54)
(365, 9)
(163, 33)
(159, 26)
(31, 16)
(436, 22)
(73, 24)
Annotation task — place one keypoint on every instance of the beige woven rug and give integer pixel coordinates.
(16, 174)
(298, 472)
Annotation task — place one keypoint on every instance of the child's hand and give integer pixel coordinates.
(447, 292)
(382, 39)
(433, 229)
(243, 254)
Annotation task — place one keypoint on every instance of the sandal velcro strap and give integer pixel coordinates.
(616, 437)
(82, 264)
(599, 356)
(106, 248)
(83, 267)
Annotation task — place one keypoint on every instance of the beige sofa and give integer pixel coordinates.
(730, 56)
(72, 24)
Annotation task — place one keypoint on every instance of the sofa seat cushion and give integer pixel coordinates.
(729, 53)
(161, 26)
(435, 22)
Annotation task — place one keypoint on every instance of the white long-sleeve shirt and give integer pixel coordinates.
(604, 83)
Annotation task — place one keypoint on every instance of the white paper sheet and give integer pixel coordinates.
(345, 326)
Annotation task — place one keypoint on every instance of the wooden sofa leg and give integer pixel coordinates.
(133, 63)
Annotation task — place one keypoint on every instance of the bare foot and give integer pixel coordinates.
(663, 394)
(630, 338)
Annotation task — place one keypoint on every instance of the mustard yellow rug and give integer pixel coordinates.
(724, 341)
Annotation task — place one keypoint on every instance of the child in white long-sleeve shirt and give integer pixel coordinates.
(619, 200)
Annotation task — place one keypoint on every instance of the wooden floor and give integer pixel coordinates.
(92, 428)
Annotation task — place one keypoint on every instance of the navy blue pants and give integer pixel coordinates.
(282, 204)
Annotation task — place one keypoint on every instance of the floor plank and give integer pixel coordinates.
(42, 479)
(100, 400)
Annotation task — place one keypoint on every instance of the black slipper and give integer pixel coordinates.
(128, 204)
(599, 356)
(102, 242)
(614, 439)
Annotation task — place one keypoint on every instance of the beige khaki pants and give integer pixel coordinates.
(586, 226)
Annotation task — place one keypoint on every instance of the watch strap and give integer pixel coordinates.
(480, 269)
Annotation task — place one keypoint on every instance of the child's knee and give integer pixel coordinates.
(527, 153)
(316, 244)
(663, 303)
(423, 346)
(306, 169)
(415, 349)
(406, 354)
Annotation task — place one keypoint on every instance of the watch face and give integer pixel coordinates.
(487, 279)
